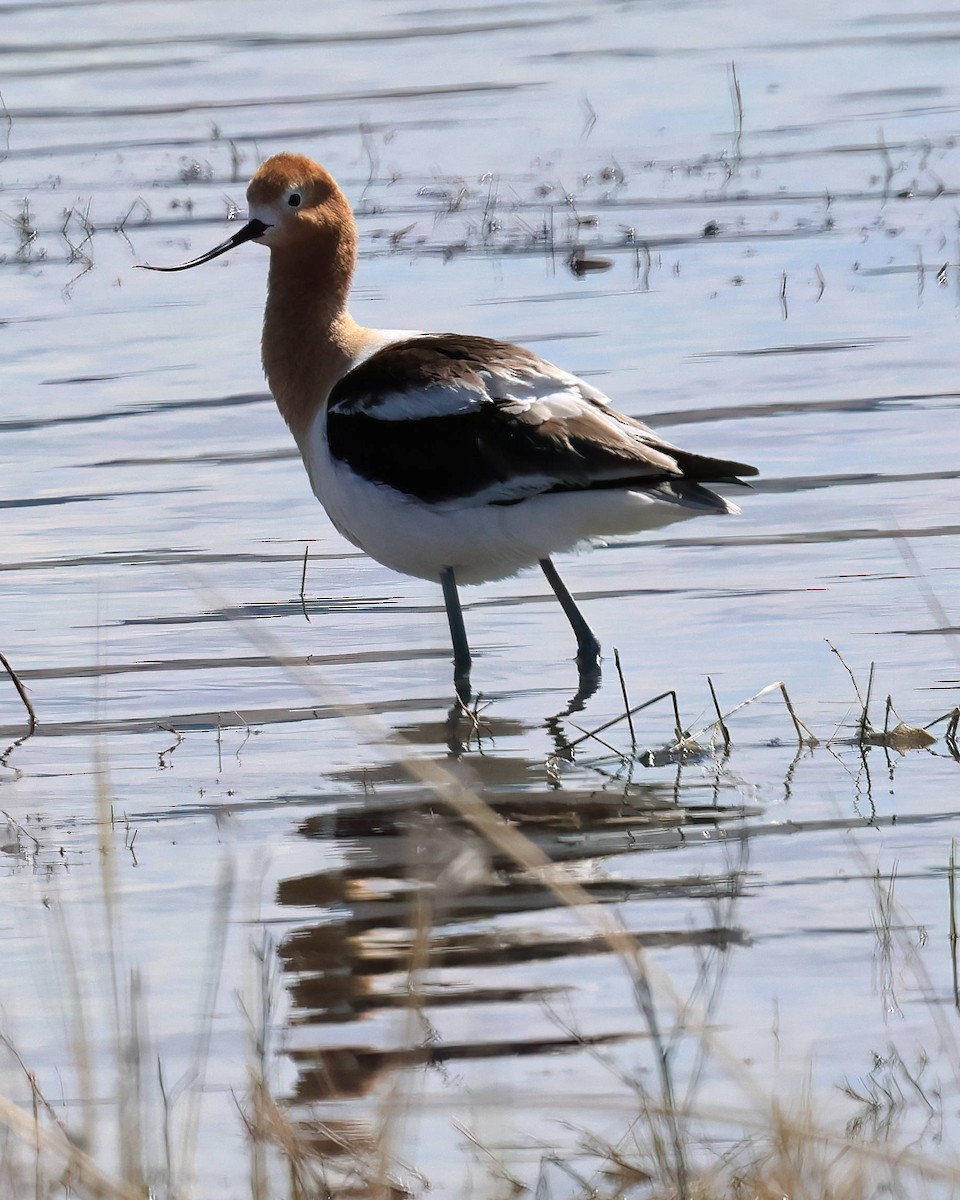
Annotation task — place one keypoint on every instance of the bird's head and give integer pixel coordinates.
(294, 205)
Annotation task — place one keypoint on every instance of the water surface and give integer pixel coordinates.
(783, 291)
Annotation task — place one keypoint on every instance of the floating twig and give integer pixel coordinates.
(810, 740)
(164, 754)
(630, 712)
(580, 265)
(953, 716)
(950, 737)
(902, 737)
(587, 734)
(686, 744)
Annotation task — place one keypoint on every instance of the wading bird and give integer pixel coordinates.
(446, 456)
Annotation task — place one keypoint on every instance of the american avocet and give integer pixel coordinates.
(449, 457)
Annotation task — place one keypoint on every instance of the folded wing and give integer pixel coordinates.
(453, 419)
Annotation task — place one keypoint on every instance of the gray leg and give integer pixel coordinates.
(588, 646)
(458, 634)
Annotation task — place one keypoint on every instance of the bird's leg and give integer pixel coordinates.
(458, 635)
(588, 645)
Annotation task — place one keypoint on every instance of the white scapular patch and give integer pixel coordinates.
(435, 400)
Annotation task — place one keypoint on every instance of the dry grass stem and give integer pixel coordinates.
(810, 740)
(303, 583)
(952, 889)
(737, 96)
(86, 1178)
(721, 724)
(626, 698)
(902, 737)
(627, 715)
(21, 692)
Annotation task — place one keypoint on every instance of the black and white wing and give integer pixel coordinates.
(449, 418)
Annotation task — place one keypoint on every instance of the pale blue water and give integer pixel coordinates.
(154, 519)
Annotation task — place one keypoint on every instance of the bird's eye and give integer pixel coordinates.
(294, 199)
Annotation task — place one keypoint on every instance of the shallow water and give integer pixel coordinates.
(786, 294)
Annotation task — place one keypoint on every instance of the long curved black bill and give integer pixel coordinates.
(252, 229)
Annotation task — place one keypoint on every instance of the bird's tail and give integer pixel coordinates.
(690, 494)
(701, 468)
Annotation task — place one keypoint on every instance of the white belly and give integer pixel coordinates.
(482, 542)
